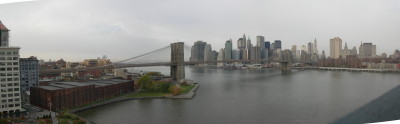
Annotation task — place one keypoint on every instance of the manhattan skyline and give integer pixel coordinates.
(74, 30)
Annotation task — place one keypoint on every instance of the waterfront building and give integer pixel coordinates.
(63, 95)
(310, 48)
(197, 51)
(354, 51)
(207, 53)
(228, 49)
(335, 47)
(256, 53)
(241, 43)
(10, 74)
(396, 54)
(367, 50)
(272, 46)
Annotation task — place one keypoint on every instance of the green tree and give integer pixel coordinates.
(145, 82)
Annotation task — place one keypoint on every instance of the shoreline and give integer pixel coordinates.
(188, 95)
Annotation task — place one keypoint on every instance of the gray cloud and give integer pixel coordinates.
(76, 29)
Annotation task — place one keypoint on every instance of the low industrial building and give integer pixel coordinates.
(62, 95)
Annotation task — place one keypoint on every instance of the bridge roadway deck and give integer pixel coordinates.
(112, 66)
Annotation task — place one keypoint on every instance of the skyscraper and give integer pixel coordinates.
(198, 51)
(315, 48)
(367, 50)
(335, 47)
(10, 78)
(208, 53)
(267, 45)
(228, 50)
(278, 44)
(260, 42)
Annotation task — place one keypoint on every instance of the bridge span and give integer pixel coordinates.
(177, 63)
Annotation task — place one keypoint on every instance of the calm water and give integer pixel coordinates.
(255, 96)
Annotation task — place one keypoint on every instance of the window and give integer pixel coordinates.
(9, 90)
(15, 58)
(10, 95)
(16, 94)
(16, 89)
(16, 84)
(3, 95)
(11, 105)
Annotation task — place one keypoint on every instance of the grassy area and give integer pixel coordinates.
(148, 94)
(188, 88)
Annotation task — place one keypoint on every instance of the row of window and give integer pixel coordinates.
(9, 95)
(9, 90)
(10, 105)
(8, 63)
(9, 84)
(9, 69)
(9, 53)
(9, 58)
(9, 74)
(8, 79)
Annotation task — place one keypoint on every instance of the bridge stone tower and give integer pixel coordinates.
(178, 61)
(286, 60)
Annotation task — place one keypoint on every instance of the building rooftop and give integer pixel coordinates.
(2, 27)
(66, 85)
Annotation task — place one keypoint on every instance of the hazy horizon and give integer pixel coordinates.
(75, 30)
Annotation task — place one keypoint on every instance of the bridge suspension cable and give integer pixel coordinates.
(143, 55)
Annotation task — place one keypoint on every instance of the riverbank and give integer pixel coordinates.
(349, 69)
(127, 97)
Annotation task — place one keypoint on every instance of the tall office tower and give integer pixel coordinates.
(3, 35)
(278, 44)
(261, 42)
(244, 38)
(221, 56)
(273, 46)
(235, 54)
(267, 45)
(304, 48)
(228, 49)
(207, 52)
(315, 48)
(241, 43)
(294, 52)
(249, 49)
(9, 79)
(335, 47)
(310, 48)
(256, 53)
(367, 50)
(246, 54)
(198, 51)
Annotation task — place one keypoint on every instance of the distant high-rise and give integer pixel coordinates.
(335, 47)
(267, 45)
(278, 44)
(261, 42)
(367, 50)
(228, 50)
(310, 48)
(208, 53)
(315, 47)
(241, 43)
(198, 51)
(3, 35)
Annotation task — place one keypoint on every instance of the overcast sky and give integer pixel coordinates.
(120, 29)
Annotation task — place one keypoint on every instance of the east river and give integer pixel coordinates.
(255, 96)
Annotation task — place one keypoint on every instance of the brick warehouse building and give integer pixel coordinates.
(63, 95)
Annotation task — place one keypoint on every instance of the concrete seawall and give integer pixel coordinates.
(189, 95)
